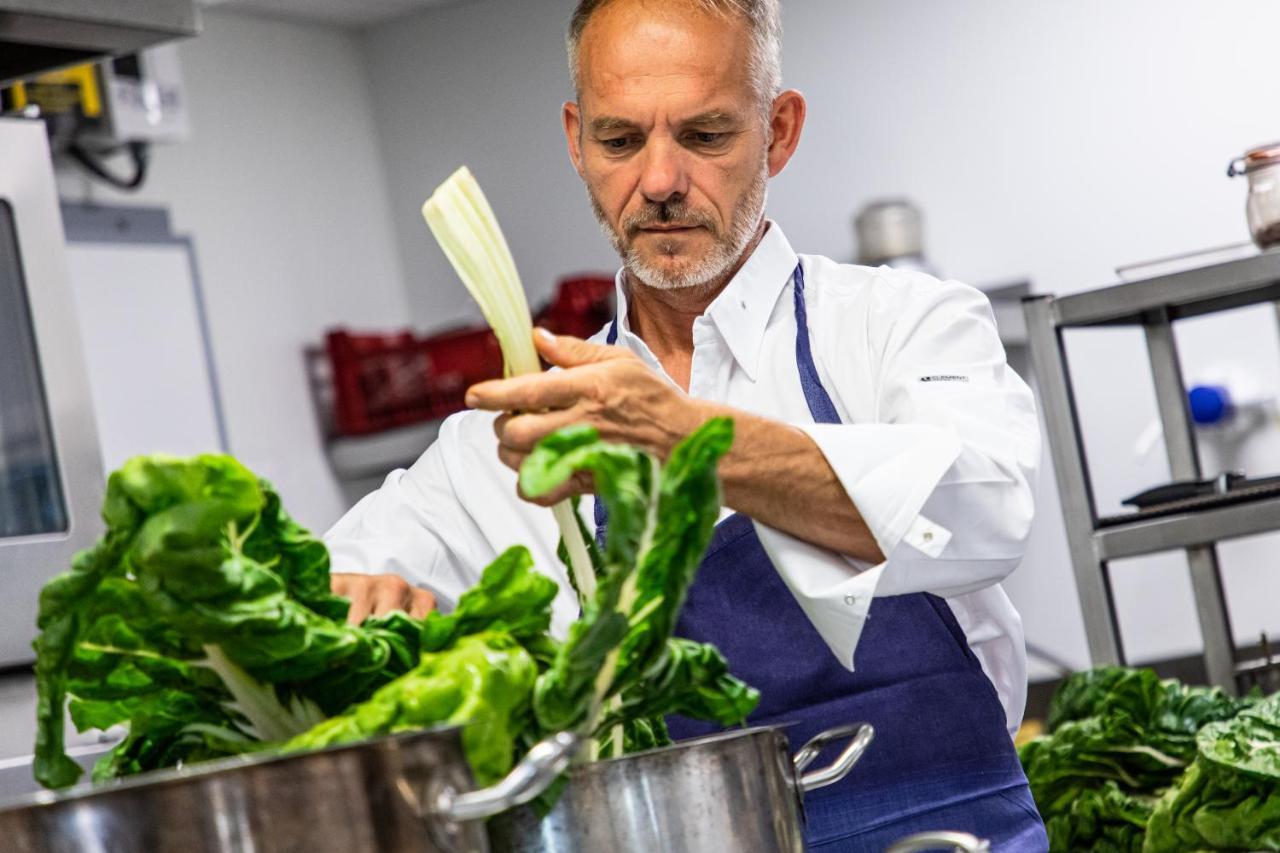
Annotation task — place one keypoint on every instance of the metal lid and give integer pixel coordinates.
(1255, 158)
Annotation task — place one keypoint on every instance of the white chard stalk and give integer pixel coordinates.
(463, 223)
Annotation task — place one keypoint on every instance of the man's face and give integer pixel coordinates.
(673, 139)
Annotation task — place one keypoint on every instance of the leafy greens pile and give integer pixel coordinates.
(203, 621)
(1229, 799)
(1121, 744)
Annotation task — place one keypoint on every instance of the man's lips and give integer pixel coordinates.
(667, 229)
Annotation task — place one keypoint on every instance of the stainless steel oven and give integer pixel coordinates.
(50, 467)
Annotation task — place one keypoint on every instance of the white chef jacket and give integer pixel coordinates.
(937, 450)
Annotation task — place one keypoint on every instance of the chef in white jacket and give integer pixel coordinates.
(880, 483)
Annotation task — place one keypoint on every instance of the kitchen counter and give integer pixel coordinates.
(18, 735)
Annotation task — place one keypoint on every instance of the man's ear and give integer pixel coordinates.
(786, 121)
(572, 118)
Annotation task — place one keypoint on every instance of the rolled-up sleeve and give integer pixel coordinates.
(943, 475)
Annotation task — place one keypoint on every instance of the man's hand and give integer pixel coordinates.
(606, 387)
(378, 595)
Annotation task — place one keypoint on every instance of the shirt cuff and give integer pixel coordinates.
(834, 591)
(889, 471)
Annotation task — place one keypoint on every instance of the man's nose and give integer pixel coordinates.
(664, 175)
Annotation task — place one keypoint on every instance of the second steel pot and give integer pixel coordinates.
(735, 792)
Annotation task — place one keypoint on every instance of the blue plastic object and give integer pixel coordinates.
(1210, 404)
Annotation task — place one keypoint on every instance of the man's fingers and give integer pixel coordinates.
(513, 459)
(393, 593)
(378, 595)
(568, 351)
(500, 424)
(533, 392)
(354, 588)
(522, 432)
(423, 603)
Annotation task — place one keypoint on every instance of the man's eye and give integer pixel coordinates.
(707, 138)
(617, 143)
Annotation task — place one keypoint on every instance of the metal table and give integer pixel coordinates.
(1154, 304)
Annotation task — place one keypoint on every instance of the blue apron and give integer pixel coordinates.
(942, 757)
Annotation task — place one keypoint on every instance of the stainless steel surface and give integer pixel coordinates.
(40, 35)
(1217, 287)
(1171, 397)
(736, 792)
(960, 842)
(362, 798)
(1181, 531)
(27, 187)
(536, 771)
(1154, 303)
(860, 735)
(1071, 470)
(1184, 464)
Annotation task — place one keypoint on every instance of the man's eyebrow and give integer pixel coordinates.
(607, 123)
(713, 118)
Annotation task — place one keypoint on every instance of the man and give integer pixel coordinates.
(883, 446)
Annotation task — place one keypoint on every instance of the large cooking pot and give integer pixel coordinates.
(409, 793)
(735, 792)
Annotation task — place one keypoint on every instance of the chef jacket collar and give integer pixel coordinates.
(742, 310)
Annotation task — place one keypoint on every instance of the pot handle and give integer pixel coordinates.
(535, 772)
(959, 842)
(835, 771)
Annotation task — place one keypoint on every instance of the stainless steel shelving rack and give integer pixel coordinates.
(1153, 304)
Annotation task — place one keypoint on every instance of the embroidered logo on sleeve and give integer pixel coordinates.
(945, 377)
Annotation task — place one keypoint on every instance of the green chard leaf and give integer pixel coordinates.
(510, 597)
(661, 519)
(485, 681)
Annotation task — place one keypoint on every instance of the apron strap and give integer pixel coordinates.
(820, 405)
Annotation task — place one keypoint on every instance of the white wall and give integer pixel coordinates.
(481, 84)
(282, 188)
(1055, 140)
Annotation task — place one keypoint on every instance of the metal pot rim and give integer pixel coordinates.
(219, 766)
(690, 743)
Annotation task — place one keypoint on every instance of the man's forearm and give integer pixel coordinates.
(776, 474)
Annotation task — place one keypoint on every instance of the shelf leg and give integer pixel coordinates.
(1215, 621)
(1184, 464)
(1066, 448)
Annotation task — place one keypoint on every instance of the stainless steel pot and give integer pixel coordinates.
(736, 792)
(409, 793)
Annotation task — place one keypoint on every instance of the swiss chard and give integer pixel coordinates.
(661, 519)
(1117, 738)
(1229, 799)
(203, 588)
(203, 622)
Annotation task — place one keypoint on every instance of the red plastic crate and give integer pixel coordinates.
(381, 381)
(385, 381)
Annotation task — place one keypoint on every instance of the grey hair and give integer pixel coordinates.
(763, 16)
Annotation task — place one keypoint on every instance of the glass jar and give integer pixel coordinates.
(1262, 167)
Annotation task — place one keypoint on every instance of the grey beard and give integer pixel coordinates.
(724, 253)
